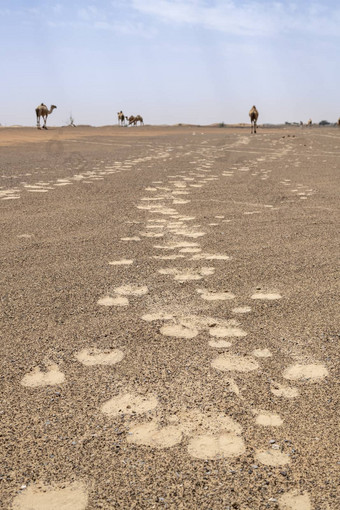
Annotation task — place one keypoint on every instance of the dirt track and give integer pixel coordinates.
(169, 318)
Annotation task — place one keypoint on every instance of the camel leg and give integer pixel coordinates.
(45, 119)
(38, 121)
(255, 126)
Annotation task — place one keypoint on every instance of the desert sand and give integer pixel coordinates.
(169, 325)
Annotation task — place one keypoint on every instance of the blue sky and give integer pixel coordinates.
(199, 61)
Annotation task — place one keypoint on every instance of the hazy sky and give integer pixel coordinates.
(199, 61)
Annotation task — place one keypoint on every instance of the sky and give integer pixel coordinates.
(171, 61)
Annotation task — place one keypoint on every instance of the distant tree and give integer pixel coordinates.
(70, 121)
(324, 123)
(221, 125)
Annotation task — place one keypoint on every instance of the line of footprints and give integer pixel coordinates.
(205, 437)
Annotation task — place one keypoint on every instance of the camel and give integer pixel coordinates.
(253, 114)
(43, 111)
(309, 122)
(121, 118)
(133, 120)
(139, 118)
(338, 122)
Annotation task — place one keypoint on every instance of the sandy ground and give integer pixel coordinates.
(169, 318)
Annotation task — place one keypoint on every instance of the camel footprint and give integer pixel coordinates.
(119, 295)
(94, 356)
(209, 437)
(63, 496)
(183, 275)
(36, 378)
(190, 326)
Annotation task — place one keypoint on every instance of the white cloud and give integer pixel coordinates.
(57, 8)
(90, 12)
(265, 18)
(251, 18)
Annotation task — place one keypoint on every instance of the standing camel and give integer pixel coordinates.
(43, 111)
(309, 122)
(253, 114)
(121, 118)
(338, 122)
